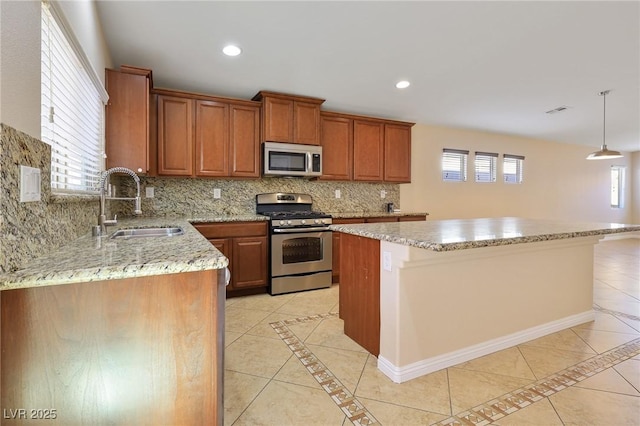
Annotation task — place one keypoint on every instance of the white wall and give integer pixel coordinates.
(558, 182)
(20, 56)
(635, 186)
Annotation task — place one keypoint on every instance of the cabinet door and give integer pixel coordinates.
(368, 150)
(336, 138)
(397, 153)
(175, 136)
(306, 122)
(244, 154)
(212, 138)
(249, 262)
(278, 120)
(127, 121)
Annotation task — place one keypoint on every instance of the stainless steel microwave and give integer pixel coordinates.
(289, 159)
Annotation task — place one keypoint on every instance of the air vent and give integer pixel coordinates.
(556, 110)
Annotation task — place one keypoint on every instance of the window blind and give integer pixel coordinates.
(72, 108)
(486, 164)
(454, 165)
(512, 168)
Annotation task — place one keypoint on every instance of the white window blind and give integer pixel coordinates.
(486, 164)
(454, 165)
(617, 182)
(72, 110)
(512, 168)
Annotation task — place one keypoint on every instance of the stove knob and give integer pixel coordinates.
(324, 222)
(288, 222)
(303, 221)
(282, 222)
(316, 221)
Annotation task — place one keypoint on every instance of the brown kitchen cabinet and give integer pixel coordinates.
(127, 119)
(175, 136)
(246, 245)
(368, 150)
(221, 139)
(290, 118)
(397, 153)
(336, 139)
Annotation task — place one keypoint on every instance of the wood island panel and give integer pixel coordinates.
(360, 290)
(144, 350)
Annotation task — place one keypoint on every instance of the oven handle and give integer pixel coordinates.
(299, 230)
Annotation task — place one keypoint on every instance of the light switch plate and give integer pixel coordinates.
(29, 184)
(150, 192)
(383, 193)
(217, 193)
(338, 195)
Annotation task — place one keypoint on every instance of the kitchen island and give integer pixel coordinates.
(116, 331)
(423, 296)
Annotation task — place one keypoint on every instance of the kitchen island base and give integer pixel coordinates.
(143, 350)
(438, 309)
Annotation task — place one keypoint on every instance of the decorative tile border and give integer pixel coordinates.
(511, 402)
(480, 415)
(341, 396)
(615, 313)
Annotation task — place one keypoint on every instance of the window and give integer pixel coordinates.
(617, 186)
(512, 168)
(454, 165)
(72, 109)
(486, 166)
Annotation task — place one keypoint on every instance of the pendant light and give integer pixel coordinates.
(604, 153)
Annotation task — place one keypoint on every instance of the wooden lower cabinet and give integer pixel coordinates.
(246, 245)
(145, 350)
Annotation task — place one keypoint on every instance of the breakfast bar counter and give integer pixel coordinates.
(423, 296)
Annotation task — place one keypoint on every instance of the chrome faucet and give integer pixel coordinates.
(102, 219)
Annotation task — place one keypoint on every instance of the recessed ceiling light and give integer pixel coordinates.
(231, 50)
(402, 84)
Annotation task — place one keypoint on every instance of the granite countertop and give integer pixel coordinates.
(349, 215)
(89, 258)
(448, 235)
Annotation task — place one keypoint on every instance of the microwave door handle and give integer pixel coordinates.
(309, 166)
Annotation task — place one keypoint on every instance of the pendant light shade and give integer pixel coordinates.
(604, 153)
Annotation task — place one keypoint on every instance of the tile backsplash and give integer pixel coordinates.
(176, 196)
(31, 229)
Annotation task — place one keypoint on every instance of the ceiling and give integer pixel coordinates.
(492, 66)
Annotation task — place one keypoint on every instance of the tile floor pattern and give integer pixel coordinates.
(287, 362)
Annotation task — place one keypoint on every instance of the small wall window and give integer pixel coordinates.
(617, 187)
(512, 168)
(486, 166)
(454, 165)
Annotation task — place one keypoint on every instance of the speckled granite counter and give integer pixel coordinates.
(100, 258)
(350, 215)
(447, 235)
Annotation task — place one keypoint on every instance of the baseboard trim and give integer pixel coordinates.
(429, 365)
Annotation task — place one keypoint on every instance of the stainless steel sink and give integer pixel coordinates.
(165, 231)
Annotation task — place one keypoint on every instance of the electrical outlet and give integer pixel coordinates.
(150, 192)
(383, 193)
(338, 195)
(29, 184)
(217, 193)
(386, 260)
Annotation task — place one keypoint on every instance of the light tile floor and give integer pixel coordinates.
(285, 365)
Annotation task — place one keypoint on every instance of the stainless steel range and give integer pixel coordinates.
(300, 242)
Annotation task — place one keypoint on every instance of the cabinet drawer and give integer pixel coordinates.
(412, 218)
(381, 219)
(338, 221)
(232, 229)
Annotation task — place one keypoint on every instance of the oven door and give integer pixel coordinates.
(295, 252)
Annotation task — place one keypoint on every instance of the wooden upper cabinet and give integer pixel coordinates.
(212, 138)
(278, 119)
(306, 123)
(290, 118)
(336, 139)
(368, 150)
(244, 130)
(175, 136)
(397, 153)
(127, 119)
